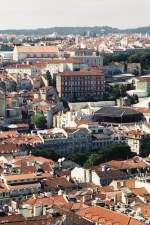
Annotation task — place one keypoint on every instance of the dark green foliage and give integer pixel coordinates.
(94, 159)
(6, 48)
(47, 153)
(110, 152)
(79, 158)
(116, 57)
(120, 151)
(49, 78)
(132, 100)
(65, 104)
(54, 80)
(118, 90)
(145, 147)
(142, 57)
(39, 121)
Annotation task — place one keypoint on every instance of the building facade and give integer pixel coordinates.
(81, 84)
(66, 141)
(138, 141)
(21, 53)
(90, 60)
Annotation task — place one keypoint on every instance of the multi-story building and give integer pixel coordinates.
(142, 86)
(98, 177)
(29, 69)
(134, 68)
(34, 52)
(90, 60)
(66, 141)
(138, 141)
(81, 84)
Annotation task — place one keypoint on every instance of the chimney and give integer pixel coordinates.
(84, 198)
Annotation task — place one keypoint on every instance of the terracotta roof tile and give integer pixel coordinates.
(52, 200)
(37, 49)
(84, 72)
(27, 176)
(103, 216)
(139, 191)
(127, 164)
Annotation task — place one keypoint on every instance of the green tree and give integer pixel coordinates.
(54, 80)
(116, 151)
(47, 153)
(94, 159)
(110, 152)
(6, 48)
(145, 149)
(39, 121)
(49, 78)
(79, 158)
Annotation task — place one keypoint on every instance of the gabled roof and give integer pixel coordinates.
(128, 164)
(59, 183)
(20, 177)
(52, 200)
(31, 158)
(104, 216)
(112, 174)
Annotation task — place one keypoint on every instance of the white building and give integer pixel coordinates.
(6, 56)
(136, 140)
(142, 86)
(24, 69)
(104, 177)
(21, 53)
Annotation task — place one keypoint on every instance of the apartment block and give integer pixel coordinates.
(72, 85)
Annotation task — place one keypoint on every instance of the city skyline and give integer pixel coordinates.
(115, 13)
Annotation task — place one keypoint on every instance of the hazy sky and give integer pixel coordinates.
(49, 13)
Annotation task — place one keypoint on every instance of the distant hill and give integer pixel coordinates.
(76, 30)
(142, 30)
